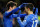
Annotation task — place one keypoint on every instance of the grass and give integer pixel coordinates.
(39, 18)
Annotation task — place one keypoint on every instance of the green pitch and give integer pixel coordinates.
(38, 17)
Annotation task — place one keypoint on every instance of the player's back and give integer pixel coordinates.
(32, 20)
(7, 20)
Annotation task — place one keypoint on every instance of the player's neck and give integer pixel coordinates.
(30, 12)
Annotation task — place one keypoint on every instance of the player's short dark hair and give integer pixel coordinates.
(10, 3)
(30, 6)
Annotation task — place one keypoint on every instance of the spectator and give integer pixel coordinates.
(1, 20)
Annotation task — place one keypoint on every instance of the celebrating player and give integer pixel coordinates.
(7, 17)
(29, 21)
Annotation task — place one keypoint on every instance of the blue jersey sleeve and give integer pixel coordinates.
(25, 21)
(20, 22)
(13, 11)
(15, 15)
(36, 12)
(22, 15)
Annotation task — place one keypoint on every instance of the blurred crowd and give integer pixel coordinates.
(15, 23)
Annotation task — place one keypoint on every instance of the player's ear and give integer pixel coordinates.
(10, 7)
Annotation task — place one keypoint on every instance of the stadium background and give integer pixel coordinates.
(19, 2)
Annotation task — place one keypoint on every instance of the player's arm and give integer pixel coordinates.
(20, 22)
(18, 18)
(15, 15)
(25, 21)
(22, 15)
(36, 12)
(13, 11)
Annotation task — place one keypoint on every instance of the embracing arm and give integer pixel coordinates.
(7, 14)
(25, 21)
(15, 15)
(20, 22)
(13, 11)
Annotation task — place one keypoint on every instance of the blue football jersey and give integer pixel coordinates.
(8, 18)
(29, 21)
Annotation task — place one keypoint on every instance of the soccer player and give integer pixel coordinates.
(7, 17)
(29, 21)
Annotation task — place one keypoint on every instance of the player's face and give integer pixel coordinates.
(14, 7)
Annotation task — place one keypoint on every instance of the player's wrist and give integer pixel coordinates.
(21, 6)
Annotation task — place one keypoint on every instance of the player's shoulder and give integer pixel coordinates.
(5, 13)
(31, 15)
(35, 17)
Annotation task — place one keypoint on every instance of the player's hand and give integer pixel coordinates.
(21, 6)
(18, 16)
(19, 13)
